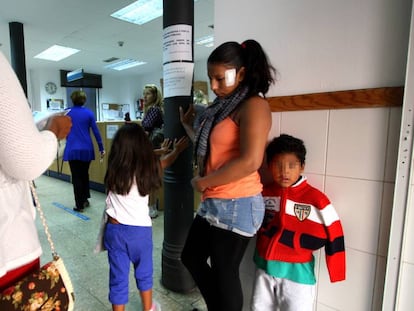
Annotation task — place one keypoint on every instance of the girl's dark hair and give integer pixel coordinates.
(132, 158)
(260, 74)
(286, 144)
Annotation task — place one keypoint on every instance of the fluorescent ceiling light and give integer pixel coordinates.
(56, 53)
(140, 12)
(207, 41)
(125, 64)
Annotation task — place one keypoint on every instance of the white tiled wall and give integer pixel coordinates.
(358, 203)
(357, 140)
(352, 156)
(354, 294)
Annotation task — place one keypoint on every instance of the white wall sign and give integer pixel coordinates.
(177, 43)
(111, 130)
(178, 78)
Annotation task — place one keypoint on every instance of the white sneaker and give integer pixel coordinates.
(155, 306)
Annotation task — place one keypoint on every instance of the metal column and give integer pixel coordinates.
(178, 193)
(17, 52)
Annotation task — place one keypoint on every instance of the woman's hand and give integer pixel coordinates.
(102, 155)
(187, 120)
(197, 183)
(60, 126)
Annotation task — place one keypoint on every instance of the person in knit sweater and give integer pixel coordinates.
(25, 153)
(299, 219)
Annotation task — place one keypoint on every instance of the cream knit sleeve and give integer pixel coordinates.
(25, 153)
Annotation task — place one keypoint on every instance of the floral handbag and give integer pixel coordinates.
(48, 289)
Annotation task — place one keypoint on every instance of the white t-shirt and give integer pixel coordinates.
(131, 209)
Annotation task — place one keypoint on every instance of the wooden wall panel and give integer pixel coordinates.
(364, 98)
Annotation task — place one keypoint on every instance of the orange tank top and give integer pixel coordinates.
(224, 146)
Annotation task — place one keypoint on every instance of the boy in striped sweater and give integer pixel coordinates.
(299, 220)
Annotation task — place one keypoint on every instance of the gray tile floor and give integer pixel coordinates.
(74, 236)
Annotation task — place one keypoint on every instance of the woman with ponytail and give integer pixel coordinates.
(229, 149)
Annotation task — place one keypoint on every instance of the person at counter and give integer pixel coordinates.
(153, 120)
(79, 150)
(152, 123)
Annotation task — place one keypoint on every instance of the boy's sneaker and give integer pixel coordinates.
(155, 306)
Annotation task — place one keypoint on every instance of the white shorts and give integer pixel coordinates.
(276, 294)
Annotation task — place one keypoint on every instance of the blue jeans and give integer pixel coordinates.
(242, 215)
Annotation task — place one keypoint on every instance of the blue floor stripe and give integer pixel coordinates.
(71, 211)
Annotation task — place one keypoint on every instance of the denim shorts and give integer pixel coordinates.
(242, 215)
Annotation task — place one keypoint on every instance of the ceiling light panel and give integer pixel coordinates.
(124, 64)
(207, 41)
(140, 12)
(56, 53)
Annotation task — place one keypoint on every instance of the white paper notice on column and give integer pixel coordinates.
(178, 79)
(177, 43)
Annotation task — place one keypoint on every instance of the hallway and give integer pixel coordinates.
(74, 235)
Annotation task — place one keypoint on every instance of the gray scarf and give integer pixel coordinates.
(216, 112)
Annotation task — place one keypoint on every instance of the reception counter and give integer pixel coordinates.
(60, 169)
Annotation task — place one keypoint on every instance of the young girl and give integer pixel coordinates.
(229, 145)
(133, 172)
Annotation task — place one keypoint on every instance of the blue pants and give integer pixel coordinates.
(126, 245)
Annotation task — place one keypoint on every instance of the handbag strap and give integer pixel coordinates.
(43, 219)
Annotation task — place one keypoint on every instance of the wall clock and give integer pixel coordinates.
(50, 88)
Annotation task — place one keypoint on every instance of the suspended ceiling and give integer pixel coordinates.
(87, 26)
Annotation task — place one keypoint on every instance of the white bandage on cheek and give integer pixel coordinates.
(230, 77)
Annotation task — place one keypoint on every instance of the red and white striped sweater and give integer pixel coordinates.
(299, 220)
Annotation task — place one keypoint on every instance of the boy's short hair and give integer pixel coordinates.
(286, 144)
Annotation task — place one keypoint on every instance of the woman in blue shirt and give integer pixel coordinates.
(79, 150)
